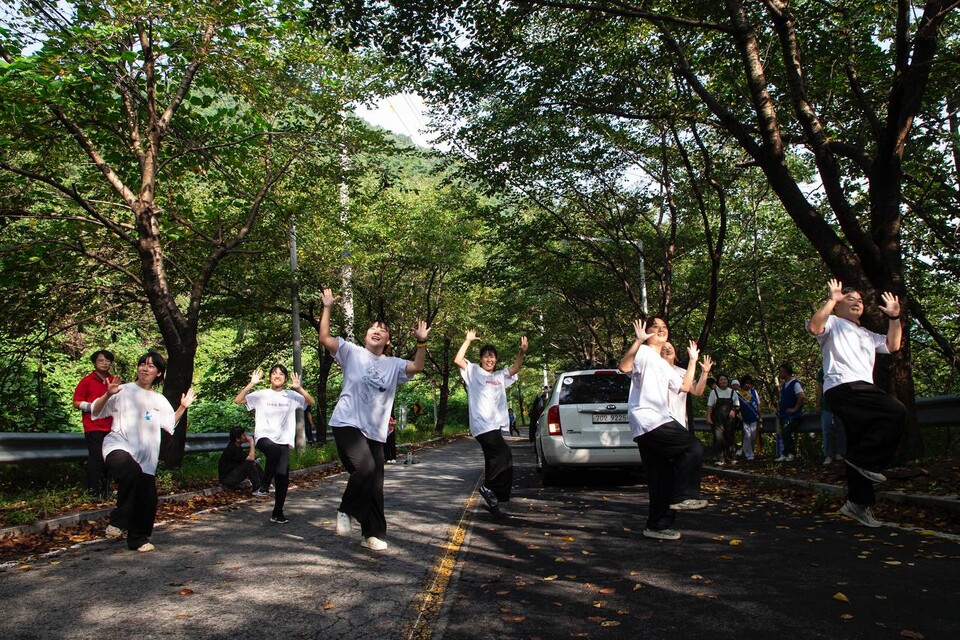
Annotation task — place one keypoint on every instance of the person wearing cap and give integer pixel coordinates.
(749, 413)
(873, 419)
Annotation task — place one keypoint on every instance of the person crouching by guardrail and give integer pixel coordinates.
(237, 464)
(132, 447)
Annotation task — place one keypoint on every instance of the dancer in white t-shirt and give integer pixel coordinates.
(874, 420)
(489, 415)
(361, 418)
(132, 448)
(275, 429)
(672, 455)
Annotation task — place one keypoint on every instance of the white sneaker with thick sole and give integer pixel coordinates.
(112, 531)
(872, 476)
(344, 526)
(373, 543)
(691, 504)
(145, 547)
(661, 534)
(863, 515)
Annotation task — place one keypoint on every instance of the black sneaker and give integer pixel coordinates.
(280, 519)
(490, 502)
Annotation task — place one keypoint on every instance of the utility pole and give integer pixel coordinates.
(301, 438)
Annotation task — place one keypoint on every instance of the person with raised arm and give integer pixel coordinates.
(489, 415)
(132, 448)
(874, 420)
(275, 429)
(672, 455)
(360, 420)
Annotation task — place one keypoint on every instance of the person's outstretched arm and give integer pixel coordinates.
(255, 379)
(416, 365)
(461, 358)
(515, 367)
(328, 341)
(818, 321)
(626, 363)
(891, 308)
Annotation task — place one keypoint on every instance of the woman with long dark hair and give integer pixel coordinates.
(361, 418)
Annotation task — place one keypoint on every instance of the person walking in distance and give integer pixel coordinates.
(275, 429)
(361, 418)
(750, 412)
(723, 403)
(873, 419)
(489, 415)
(671, 454)
(92, 386)
(791, 407)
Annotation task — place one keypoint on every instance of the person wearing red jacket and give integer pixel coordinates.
(92, 386)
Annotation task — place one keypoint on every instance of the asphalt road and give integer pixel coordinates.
(568, 562)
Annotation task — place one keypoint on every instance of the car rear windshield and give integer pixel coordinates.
(595, 389)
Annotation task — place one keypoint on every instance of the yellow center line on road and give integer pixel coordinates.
(430, 600)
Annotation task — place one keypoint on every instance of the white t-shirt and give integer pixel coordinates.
(487, 398)
(369, 386)
(727, 393)
(849, 352)
(276, 414)
(652, 382)
(138, 415)
(678, 401)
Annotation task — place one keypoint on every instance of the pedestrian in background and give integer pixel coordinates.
(791, 407)
(750, 413)
(723, 403)
(237, 464)
(92, 386)
(834, 438)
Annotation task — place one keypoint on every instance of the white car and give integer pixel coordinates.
(585, 424)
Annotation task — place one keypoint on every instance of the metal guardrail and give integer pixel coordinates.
(937, 412)
(45, 447)
(932, 413)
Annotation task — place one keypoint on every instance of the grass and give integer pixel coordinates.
(37, 491)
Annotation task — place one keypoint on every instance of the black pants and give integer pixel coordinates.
(390, 447)
(363, 497)
(672, 462)
(136, 498)
(874, 422)
(97, 479)
(497, 463)
(246, 470)
(277, 471)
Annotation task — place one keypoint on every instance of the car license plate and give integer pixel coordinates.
(609, 417)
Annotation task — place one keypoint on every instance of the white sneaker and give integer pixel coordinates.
(827, 461)
(661, 534)
(344, 526)
(789, 458)
(780, 459)
(872, 476)
(373, 543)
(690, 504)
(145, 547)
(863, 515)
(112, 531)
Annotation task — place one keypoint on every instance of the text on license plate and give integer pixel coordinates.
(609, 417)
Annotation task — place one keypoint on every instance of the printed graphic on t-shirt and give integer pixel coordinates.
(373, 384)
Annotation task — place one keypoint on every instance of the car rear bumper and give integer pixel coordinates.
(556, 453)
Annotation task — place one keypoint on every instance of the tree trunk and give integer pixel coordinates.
(326, 363)
(444, 400)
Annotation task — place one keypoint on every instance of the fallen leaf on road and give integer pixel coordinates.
(915, 635)
(892, 562)
(610, 623)
(549, 578)
(183, 616)
(607, 590)
(185, 592)
(24, 567)
(637, 587)
(696, 576)
(846, 616)
(514, 618)
(736, 543)
(328, 605)
(841, 597)
(599, 604)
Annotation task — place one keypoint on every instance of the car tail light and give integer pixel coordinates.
(553, 421)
